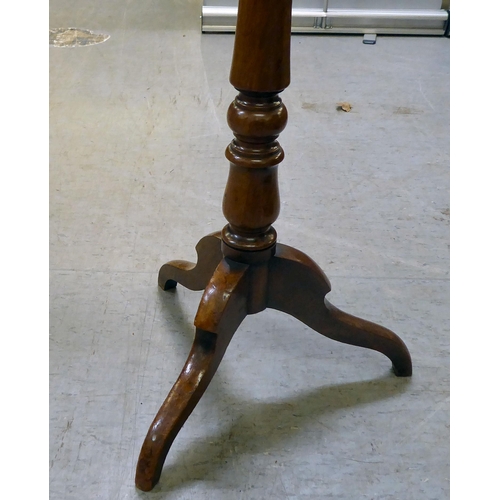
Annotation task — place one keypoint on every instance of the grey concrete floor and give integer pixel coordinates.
(137, 139)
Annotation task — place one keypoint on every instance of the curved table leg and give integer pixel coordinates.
(222, 309)
(297, 286)
(188, 274)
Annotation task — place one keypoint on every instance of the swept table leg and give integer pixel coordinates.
(297, 286)
(222, 309)
(188, 274)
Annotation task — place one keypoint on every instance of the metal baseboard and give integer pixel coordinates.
(397, 17)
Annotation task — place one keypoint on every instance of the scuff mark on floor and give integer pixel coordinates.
(74, 37)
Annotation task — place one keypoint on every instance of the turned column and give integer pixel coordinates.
(260, 71)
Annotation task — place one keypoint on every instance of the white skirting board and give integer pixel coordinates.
(397, 17)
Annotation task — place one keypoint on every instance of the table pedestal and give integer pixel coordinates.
(242, 269)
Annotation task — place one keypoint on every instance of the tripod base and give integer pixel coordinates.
(281, 278)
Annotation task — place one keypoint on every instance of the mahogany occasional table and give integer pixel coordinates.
(242, 269)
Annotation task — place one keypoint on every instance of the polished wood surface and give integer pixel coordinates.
(260, 70)
(251, 200)
(297, 286)
(222, 309)
(261, 57)
(193, 276)
(242, 269)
